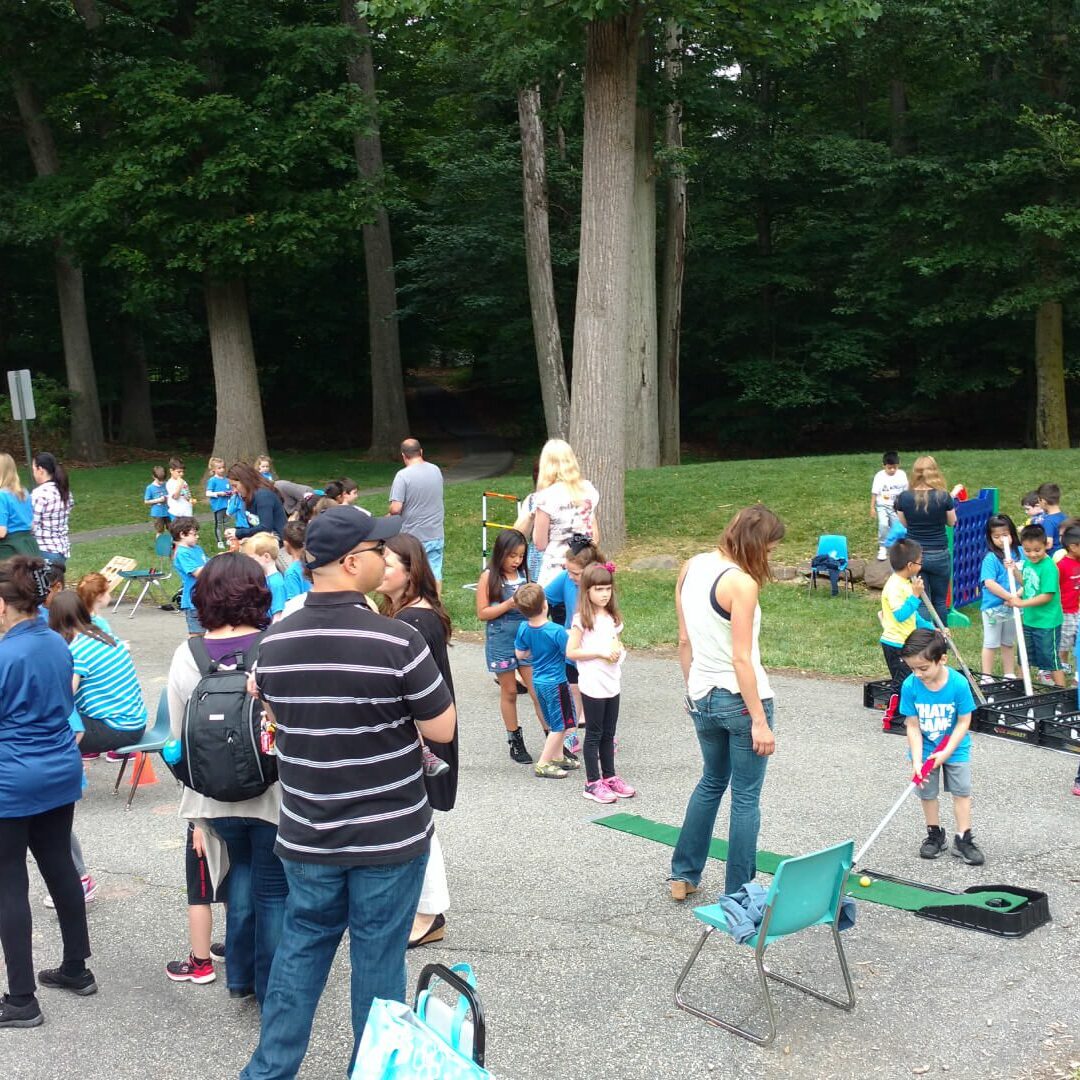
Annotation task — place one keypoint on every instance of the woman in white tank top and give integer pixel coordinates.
(728, 694)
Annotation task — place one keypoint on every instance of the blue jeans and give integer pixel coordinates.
(936, 575)
(886, 519)
(376, 904)
(257, 892)
(723, 730)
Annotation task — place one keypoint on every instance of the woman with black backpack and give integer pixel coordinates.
(232, 842)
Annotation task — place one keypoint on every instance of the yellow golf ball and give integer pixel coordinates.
(864, 881)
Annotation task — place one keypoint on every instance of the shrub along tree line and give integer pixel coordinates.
(766, 224)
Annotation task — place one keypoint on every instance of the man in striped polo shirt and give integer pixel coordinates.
(348, 691)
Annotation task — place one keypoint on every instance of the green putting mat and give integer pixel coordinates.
(890, 893)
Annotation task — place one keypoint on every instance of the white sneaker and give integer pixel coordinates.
(882, 554)
(89, 887)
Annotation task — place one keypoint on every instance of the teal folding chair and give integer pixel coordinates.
(805, 892)
(151, 578)
(152, 742)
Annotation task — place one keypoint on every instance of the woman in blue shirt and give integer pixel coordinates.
(107, 692)
(262, 504)
(16, 513)
(40, 782)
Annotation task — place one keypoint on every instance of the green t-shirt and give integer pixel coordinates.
(1042, 577)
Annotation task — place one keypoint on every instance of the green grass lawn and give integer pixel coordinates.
(679, 510)
(113, 495)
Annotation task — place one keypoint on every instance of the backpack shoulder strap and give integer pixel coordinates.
(247, 661)
(200, 655)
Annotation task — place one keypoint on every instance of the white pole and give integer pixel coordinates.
(1021, 644)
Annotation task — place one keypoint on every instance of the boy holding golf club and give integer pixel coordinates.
(1040, 605)
(900, 601)
(935, 702)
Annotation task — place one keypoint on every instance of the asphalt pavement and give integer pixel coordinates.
(575, 943)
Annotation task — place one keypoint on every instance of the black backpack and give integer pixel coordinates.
(221, 756)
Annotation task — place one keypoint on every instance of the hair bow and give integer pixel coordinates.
(41, 581)
(609, 567)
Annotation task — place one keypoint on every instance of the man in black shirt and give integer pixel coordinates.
(348, 691)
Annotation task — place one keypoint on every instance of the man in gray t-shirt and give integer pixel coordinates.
(417, 495)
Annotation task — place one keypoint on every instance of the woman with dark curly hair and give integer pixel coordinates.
(233, 842)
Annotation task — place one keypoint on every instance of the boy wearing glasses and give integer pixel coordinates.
(900, 600)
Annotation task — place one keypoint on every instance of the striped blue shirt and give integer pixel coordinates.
(108, 686)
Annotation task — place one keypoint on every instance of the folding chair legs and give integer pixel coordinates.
(710, 1018)
(134, 780)
(764, 974)
(847, 1005)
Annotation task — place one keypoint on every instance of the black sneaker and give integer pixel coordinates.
(217, 952)
(20, 1016)
(935, 843)
(518, 753)
(964, 847)
(82, 984)
(238, 993)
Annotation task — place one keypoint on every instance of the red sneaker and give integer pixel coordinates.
(191, 970)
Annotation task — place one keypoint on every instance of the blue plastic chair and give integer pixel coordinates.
(152, 742)
(806, 891)
(149, 578)
(835, 546)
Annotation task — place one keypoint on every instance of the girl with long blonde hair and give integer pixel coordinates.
(16, 513)
(925, 510)
(565, 505)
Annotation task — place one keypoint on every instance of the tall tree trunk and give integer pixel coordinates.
(902, 142)
(239, 434)
(545, 315)
(1051, 417)
(389, 418)
(136, 416)
(642, 435)
(674, 265)
(87, 434)
(598, 399)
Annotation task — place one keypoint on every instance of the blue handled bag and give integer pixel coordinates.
(434, 1042)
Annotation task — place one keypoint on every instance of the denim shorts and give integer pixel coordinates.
(1042, 647)
(193, 624)
(999, 628)
(957, 781)
(434, 551)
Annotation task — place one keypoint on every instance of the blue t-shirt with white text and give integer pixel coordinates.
(156, 491)
(938, 710)
(221, 485)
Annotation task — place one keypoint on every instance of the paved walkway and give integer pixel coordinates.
(574, 941)
(476, 464)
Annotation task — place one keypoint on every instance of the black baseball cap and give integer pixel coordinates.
(335, 532)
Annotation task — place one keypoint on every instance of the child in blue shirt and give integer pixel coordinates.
(937, 702)
(218, 490)
(999, 623)
(296, 582)
(189, 559)
(156, 498)
(264, 549)
(562, 595)
(542, 645)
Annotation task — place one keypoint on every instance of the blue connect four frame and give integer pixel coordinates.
(968, 543)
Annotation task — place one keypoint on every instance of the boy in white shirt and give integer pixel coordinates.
(889, 481)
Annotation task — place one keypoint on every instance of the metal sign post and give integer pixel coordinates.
(22, 405)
